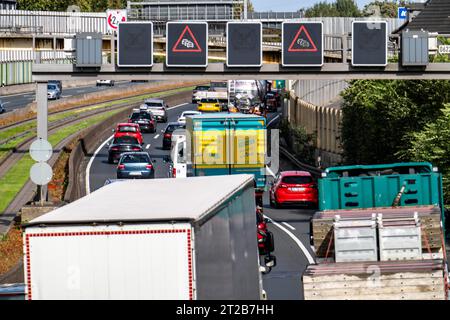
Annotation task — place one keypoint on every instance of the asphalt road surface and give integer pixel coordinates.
(16, 101)
(290, 226)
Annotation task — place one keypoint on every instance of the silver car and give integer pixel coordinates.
(2, 107)
(53, 92)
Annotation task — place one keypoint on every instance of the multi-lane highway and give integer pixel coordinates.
(290, 226)
(20, 100)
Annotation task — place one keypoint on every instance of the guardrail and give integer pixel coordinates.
(315, 171)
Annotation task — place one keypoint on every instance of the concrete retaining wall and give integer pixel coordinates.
(323, 122)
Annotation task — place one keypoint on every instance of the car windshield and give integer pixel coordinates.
(297, 180)
(135, 158)
(186, 114)
(134, 116)
(51, 87)
(210, 101)
(201, 88)
(173, 127)
(154, 104)
(141, 115)
(127, 129)
(125, 140)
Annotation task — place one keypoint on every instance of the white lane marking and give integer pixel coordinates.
(270, 171)
(296, 240)
(156, 137)
(273, 120)
(147, 147)
(288, 225)
(88, 168)
(177, 106)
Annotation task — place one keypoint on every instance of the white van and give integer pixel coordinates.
(178, 167)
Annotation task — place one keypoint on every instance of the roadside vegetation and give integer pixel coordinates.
(300, 143)
(15, 179)
(398, 121)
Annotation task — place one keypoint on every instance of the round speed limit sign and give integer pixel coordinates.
(114, 17)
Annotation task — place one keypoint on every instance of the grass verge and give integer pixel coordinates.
(15, 179)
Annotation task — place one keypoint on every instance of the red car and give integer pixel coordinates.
(294, 187)
(130, 130)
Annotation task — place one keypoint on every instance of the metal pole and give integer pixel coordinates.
(245, 9)
(42, 122)
(113, 48)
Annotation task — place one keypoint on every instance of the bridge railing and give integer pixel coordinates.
(51, 22)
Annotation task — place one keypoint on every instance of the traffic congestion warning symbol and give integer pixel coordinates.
(302, 42)
(187, 42)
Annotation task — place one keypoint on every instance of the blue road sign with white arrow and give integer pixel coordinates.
(402, 13)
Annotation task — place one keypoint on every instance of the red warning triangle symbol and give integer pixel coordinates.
(187, 42)
(302, 44)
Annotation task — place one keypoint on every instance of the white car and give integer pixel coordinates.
(105, 83)
(182, 118)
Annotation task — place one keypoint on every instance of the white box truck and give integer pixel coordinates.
(174, 239)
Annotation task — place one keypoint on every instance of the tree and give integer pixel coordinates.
(340, 8)
(347, 8)
(61, 5)
(239, 8)
(379, 116)
(385, 9)
(432, 144)
(43, 5)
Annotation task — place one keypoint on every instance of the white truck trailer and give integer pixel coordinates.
(170, 239)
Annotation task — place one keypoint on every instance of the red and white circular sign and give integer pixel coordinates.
(114, 17)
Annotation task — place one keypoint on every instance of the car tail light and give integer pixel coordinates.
(149, 166)
(115, 149)
(121, 167)
(283, 185)
(174, 172)
(136, 149)
(167, 135)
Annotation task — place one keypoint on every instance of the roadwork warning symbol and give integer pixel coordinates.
(302, 42)
(187, 42)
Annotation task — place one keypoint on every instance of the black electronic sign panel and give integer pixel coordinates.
(187, 44)
(369, 43)
(244, 44)
(302, 44)
(135, 44)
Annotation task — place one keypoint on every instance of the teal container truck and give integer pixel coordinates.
(385, 185)
(225, 144)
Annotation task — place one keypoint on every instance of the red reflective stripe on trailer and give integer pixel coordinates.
(106, 233)
(191, 289)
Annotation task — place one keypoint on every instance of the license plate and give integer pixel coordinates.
(297, 189)
(135, 174)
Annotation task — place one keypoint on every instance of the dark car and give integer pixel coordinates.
(167, 138)
(271, 102)
(2, 107)
(135, 165)
(145, 120)
(121, 145)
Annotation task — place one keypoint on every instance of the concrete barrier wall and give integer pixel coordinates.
(322, 122)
